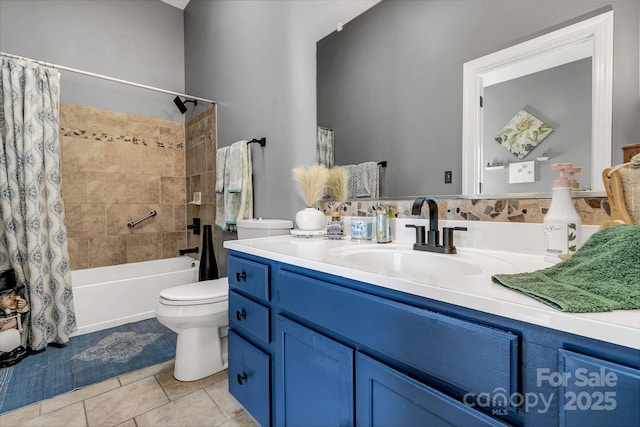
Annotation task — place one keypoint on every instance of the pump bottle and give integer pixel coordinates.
(562, 225)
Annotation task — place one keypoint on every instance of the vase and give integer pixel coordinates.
(310, 219)
(208, 265)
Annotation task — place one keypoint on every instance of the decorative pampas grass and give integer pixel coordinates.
(338, 183)
(312, 182)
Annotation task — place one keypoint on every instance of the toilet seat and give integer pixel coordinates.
(206, 292)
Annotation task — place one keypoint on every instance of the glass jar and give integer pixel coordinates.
(335, 227)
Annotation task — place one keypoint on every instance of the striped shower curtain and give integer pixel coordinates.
(33, 238)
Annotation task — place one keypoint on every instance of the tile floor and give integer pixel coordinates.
(148, 397)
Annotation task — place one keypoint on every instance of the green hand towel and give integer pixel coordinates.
(603, 275)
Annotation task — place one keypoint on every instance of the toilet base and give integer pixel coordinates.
(199, 353)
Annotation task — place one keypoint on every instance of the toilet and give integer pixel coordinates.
(199, 312)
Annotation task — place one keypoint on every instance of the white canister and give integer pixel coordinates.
(362, 228)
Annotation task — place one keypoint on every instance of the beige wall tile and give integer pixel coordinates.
(207, 187)
(144, 247)
(74, 187)
(127, 402)
(79, 252)
(122, 157)
(143, 189)
(107, 187)
(157, 161)
(179, 217)
(71, 117)
(173, 190)
(172, 243)
(108, 250)
(179, 162)
(163, 221)
(200, 163)
(85, 220)
(190, 162)
(146, 131)
(79, 154)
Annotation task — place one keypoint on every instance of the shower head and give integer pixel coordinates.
(180, 104)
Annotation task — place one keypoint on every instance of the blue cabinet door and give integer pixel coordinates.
(386, 397)
(314, 378)
(595, 392)
(249, 378)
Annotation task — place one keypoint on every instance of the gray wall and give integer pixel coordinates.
(560, 97)
(258, 58)
(409, 57)
(136, 40)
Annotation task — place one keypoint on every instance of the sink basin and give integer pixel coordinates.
(403, 261)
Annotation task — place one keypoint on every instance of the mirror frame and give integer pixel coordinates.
(600, 28)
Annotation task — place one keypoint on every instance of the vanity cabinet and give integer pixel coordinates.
(309, 348)
(250, 336)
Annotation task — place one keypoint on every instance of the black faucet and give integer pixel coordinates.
(188, 251)
(433, 238)
(195, 226)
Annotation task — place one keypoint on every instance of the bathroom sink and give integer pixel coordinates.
(400, 260)
(404, 262)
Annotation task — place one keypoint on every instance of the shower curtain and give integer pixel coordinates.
(33, 237)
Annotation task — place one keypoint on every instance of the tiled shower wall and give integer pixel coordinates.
(116, 168)
(201, 176)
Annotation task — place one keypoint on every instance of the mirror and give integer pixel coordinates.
(391, 84)
(552, 52)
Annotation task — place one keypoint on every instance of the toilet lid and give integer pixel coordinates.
(208, 291)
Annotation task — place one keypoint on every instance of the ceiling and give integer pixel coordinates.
(180, 4)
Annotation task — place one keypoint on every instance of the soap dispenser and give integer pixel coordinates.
(383, 224)
(562, 225)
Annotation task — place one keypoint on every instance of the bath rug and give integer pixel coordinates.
(37, 377)
(85, 360)
(116, 351)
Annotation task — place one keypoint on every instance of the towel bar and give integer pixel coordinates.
(262, 141)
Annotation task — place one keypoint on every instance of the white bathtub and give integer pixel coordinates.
(105, 297)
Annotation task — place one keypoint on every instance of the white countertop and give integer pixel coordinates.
(476, 291)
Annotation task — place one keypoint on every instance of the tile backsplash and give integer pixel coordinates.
(592, 210)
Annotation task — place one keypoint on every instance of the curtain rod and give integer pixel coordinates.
(101, 76)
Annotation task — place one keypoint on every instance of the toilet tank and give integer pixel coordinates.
(252, 228)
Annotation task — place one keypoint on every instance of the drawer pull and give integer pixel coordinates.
(241, 276)
(242, 378)
(241, 314)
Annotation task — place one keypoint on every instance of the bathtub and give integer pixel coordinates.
(105, 297)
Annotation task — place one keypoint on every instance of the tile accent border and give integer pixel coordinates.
(592, 210)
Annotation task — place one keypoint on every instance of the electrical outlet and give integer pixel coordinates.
(448, 177)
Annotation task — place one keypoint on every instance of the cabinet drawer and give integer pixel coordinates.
(468, 357)
(249, 316)
(386, 397)
(595, 392)
(248, 277)
(249, 378)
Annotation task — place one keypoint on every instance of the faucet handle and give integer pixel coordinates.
(447, 236)
(420, 233)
